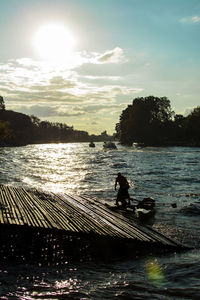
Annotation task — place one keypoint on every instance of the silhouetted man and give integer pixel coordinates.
(123, 189)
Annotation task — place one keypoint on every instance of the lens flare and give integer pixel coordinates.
(154, 272)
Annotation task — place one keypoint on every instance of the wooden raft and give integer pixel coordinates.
(72, 214)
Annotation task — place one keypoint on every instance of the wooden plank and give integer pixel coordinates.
(30, 209)
(84, 219)
(100, 221)
(133, 230)
(50, 210)
(5, 213)
(11, 209)
(152, 233)
(9, 192)
(36, 212)
(22, 207)
(46, 214)
(58, 210)
(75, 213)
(113, 222)
(1, 208)
(14, 207)
(157, 236)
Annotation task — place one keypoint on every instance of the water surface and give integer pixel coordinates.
(169, 175)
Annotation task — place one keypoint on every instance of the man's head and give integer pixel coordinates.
(119, 174)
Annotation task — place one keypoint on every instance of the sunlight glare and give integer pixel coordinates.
(54, 42)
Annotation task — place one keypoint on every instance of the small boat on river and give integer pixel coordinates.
(92, 144)
(109, 145)
(143, 210)
(138, 145)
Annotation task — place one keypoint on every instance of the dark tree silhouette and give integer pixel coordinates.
(192, 126)
(2, 104)
(5, 133)
(17, 129)
(145, 121)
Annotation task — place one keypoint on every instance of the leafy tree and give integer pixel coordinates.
(2, 104)
(192, 125)
(178, 129)
(17, 129)
(5, 132)
(145, 121)
(35, 120)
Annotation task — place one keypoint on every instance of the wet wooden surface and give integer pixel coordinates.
(77, 214)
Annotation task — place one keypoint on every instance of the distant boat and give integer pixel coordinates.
(138, 145)
(92, 144)
(109, 145)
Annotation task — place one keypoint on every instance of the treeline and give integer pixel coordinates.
(18, 129)
(151, 121)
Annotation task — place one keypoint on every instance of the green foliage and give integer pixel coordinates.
(20, 125)
(5, 132)
(17, 129)
(151, 121)
(144, 120)
(31, 130)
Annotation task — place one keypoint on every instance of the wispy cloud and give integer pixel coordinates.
(191, 19)
(113, 56)
(196, 19)
(46, 90)
(45, 111)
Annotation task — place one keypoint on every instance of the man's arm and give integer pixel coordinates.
(128, 185)
(115, 184)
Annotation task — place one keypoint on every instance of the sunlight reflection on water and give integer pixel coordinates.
(169, 175)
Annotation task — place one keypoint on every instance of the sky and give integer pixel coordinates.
(81, 62)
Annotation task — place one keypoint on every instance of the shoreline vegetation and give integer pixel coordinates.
(18, 129)
(148, 121)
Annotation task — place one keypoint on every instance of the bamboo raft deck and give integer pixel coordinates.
(27, 216)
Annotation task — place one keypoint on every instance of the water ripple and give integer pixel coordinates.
(169, 175)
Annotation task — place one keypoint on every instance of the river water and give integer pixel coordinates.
(168, 174)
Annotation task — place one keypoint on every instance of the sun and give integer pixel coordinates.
(54, 42)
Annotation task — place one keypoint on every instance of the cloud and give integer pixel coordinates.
(99, 108)
(111, 56)
(100, 78)
(192, 19)
(61, 93)
(196, 19)
(60, 82)
(44, 111)
(21, 83)
(26, 74)
(38, 110)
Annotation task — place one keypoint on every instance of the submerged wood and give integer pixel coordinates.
(73, 222)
